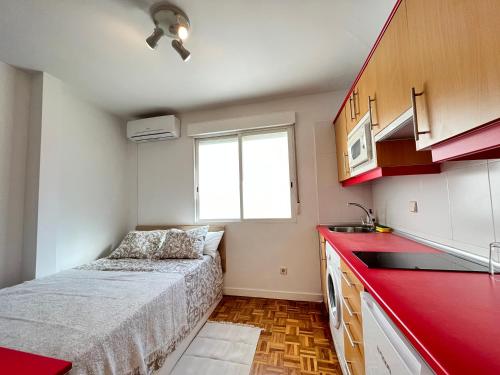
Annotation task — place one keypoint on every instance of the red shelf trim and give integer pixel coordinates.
(367, 60)
(485, 140)
(392, 171)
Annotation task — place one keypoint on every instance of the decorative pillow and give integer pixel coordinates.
(212, 243)
(139, 244)
(199, 236)
(179, 244)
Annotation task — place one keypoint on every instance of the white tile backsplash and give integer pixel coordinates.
(434, 207)
(494, 174)
(470, 205)
(459, 207)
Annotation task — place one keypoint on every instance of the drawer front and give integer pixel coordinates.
(354, 326)
(353, 321)
(352, 301)
(354, 358)
(351, 288)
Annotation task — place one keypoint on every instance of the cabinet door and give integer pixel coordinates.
(341, 144)
(366, 89)
(391, 65)
(455, 61)
(489, 29)
(357, 104)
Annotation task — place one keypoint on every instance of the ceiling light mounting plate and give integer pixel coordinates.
(169, 18)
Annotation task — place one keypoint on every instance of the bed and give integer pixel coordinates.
(115, 316)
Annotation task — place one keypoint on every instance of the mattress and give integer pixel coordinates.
(203, 278)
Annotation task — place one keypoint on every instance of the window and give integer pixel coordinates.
(245, 176)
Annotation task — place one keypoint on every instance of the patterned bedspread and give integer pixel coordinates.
(103, 322)
(125, 320)
(203, 278)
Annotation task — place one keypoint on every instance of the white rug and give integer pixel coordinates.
(220, 349)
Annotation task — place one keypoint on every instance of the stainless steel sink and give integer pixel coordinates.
(351, 228)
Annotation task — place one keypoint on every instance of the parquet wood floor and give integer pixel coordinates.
(296, 337)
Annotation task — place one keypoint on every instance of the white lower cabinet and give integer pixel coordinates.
(387, 351)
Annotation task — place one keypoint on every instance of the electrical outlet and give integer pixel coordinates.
(283, 271)
(413, 207)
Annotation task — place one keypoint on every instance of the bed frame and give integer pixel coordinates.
(211, 228)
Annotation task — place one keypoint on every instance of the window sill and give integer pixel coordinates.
(292, 220)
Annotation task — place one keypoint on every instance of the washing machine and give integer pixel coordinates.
(334, 288)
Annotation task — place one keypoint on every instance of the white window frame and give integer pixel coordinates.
(292, 162)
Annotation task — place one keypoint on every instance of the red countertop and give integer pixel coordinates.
(451, 318)
(21, 363)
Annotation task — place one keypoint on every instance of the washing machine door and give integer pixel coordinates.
(334, 300)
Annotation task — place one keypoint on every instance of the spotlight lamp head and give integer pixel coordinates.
(183, 52)
(172, 22)
(152, 40)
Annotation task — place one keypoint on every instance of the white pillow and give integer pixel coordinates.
(212, 241)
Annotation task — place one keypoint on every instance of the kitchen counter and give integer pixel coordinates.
(451, 318)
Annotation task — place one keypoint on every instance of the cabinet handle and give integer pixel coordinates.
(354, 95)
(346, 166)
(348, 365)
(348, 308)
(353, 342)
(414, 95)
(370, 100)
(346, 279)
(350, 108)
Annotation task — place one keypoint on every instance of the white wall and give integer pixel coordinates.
(32, 180)
(459, 207)
(255, 251)
(93, 192)
(15, 89)
(332, 197)
(79, 206)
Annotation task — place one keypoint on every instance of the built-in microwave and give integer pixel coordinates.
(360, 147)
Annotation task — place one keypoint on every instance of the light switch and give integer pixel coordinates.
(413, 206)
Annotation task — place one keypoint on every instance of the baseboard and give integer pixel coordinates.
(277, 294)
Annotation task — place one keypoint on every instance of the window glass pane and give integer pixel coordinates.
(218, 179)
(266, 176)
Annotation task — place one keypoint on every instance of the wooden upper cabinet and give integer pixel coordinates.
(455, 62)
(489, 26)
(341, 145)
(365, 89)
(390, 63)
(357, 104)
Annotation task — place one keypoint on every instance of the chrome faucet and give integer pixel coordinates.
(370, 219)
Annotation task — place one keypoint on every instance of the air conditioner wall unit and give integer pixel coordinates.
(154, 129)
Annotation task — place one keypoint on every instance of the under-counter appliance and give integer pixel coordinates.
(386, 349)
(333, 283)
(419, 261)
(360, 147)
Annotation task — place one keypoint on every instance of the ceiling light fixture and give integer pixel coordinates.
(172, 22)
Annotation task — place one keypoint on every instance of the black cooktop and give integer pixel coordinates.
(419, 261)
